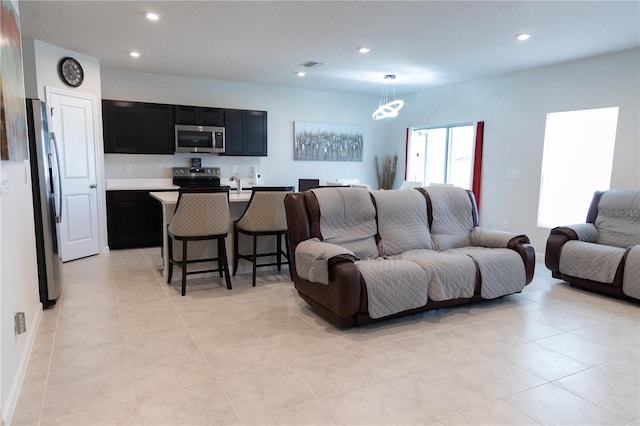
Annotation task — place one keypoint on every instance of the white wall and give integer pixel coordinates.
(18, 280)
(284, 106)
(514, 109)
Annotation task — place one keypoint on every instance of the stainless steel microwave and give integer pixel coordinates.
(202, 139)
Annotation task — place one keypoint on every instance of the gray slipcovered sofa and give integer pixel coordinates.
(359, 256)
(602, 254)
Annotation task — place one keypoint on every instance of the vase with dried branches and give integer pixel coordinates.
(386, 170)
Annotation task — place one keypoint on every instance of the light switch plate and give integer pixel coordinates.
(513, 174)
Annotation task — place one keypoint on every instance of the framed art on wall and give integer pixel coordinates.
(13, 121)
(327, 142)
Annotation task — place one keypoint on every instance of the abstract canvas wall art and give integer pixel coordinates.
(327, 142)
(13, 121)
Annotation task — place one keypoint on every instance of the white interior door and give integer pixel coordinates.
(72, 119)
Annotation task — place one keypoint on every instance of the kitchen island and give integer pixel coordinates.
(237, 205)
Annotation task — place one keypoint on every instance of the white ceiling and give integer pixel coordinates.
(425, 43)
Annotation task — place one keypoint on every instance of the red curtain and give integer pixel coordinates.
(477, 162)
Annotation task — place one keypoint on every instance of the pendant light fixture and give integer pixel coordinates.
(388, 107)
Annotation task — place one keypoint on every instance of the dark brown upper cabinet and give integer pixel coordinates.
(199, 116)
(246, 132)
(137, 127)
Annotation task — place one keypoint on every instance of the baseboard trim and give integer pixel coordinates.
(16, 385)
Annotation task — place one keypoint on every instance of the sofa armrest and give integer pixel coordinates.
(298, 226)
(528, 255)
(586, 232)
(483, 237)
(313, 258)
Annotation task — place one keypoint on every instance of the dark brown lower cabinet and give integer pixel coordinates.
(134, 219)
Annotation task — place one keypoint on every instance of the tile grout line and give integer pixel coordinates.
(165, 288)
(46, 382)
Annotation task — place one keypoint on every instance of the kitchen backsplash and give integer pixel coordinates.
(135, 166)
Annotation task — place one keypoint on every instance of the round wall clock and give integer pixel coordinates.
(71, 72)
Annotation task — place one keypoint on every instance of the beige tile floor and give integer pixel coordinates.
(123, 348)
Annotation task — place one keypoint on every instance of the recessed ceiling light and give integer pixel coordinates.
(301, 73)
(152, 16)
(364, 50)
(134, 54)
(523, 36)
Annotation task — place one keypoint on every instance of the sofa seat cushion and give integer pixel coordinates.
(393, 285)
(501, 270)
(631, 277)
(596, 262)
(348, 219)
(453, 275)
(618, 220)
(452, 217)
(402, 221)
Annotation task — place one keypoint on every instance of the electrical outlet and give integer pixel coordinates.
(505, 224)
(158, 168)
(128, 168)
(21, 324)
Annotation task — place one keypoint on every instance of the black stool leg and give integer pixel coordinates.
(184, 267)
(220, 248)
(255, 250)
(225, 264)
(279, 251)
(235, 249)
(170, 255)
(286, 244)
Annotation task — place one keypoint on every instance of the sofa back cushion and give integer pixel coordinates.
(402, 221)
(618, 219)
(452, 212)
(348, 219)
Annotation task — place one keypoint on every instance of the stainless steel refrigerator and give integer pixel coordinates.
(47, 201)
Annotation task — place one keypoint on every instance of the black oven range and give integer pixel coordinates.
(196, 176)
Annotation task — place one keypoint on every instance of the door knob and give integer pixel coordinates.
(93, 186)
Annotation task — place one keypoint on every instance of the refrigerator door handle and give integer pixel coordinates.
(55, 168)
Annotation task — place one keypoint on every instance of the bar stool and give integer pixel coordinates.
(201, 214)
(264, 216)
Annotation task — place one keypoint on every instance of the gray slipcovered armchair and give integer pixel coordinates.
(602, 254)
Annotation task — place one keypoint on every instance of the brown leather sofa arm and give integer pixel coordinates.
(528, 255)
(557, 237)
(339, 300)
(520, 239)
(346, 280)
(297, 217)
(341, 258)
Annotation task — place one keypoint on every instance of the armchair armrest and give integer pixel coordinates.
(586, 232)
(483, 237)
(313, 258)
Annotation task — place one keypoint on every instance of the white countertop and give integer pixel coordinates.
(141, 184)
(172, 197)
(158, 184)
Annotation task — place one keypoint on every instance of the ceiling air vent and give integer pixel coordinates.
(312, 64)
